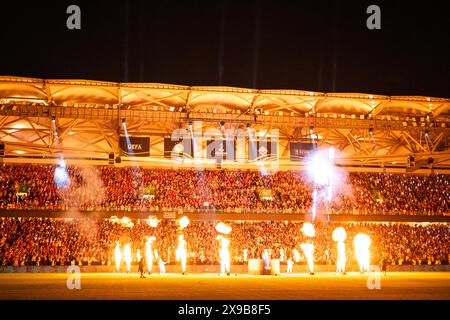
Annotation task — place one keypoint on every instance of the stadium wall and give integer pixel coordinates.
(199, 269)
(214, 216)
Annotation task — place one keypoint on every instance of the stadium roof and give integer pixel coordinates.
(40, 119)
(89, 93)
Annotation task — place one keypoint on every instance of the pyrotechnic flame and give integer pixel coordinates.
(321, 167)
(61, 177)
(282, 257)
(118, 256)
(138, 254)
(331, 154)
(127, 256)
(224, 255)
(148, 252)
(181, 252)
(339, 235)
(314, 204)
(223, 228)
(183, 222)
(152, 221)
(322, 170)
(362, 244)
(308, 251)
(296, 255)
(308, 229)
(125, 221)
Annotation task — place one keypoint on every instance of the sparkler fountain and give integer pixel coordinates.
(321, 169)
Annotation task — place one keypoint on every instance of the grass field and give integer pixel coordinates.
(396, 285)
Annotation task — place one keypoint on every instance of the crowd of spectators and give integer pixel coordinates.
(52, 187)
(49, 241)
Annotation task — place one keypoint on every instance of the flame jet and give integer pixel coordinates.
(148, 253)
(308, 248)
(362, 244)
(339, 235)
(118, 256)
(127, 256)
(308, 251)
(224, 255)
(181, 253)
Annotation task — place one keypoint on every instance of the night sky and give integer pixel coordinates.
(321, 45)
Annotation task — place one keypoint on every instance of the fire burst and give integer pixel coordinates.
(118, 256)
(181, 253)
(152, 221)
(124, 222)
(308, 248)
(148, 253)
(308, 229)
(362, 244)
(183, 222)
(223, 228)
(127, 256)
(224, 255)
(339, 235)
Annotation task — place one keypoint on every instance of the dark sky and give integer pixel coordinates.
(320, 45)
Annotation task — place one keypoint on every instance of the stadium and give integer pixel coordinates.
(156, 191)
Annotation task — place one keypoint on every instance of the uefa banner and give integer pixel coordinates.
(225, 147)
(178, 146)
(260, 149)
(300, 150)
(134, 146)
